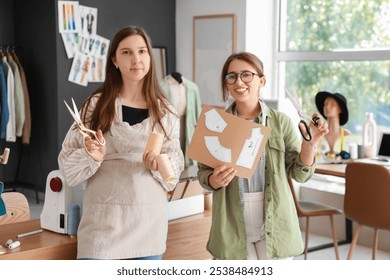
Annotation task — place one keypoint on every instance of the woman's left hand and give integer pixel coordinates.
(317, 131)
(149, 159)
(309, 148)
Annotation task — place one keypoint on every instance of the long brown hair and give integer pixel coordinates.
(104, 112)
(248, 57)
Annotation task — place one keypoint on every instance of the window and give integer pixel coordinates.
(337, 46)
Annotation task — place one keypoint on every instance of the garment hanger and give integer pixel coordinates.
(14, 53)
(8, 52)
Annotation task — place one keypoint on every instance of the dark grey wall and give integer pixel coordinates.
(6, 22)
(47, 68)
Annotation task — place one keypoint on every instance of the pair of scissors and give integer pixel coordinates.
(85, 132)
(295, 101)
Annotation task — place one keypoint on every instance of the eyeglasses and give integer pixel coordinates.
(245, 76)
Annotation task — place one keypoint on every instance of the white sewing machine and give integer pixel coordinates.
(59, 198)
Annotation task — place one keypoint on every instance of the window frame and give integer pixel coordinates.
(297, 56)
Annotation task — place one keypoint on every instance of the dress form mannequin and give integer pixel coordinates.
(334, 108)
(332, 111)
(177, 77)
(184, 96)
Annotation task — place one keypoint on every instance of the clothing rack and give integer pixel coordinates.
(11, 185)
(4, 48)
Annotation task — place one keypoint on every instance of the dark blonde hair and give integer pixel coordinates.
(248, 57)
(104, 112)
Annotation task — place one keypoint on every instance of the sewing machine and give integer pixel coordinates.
(59, 200)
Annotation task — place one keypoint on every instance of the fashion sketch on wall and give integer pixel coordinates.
(82, 43)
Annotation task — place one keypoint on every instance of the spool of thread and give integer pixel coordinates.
(155, 142)
(74, 216)
(14, 245)
(165, 168)
(353, 150)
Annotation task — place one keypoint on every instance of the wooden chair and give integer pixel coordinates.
(17, 208)
(366, 200)
(309, 209)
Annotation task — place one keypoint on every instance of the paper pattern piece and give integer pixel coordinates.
(214, 121)
(217, 150)
(250, 149)
(221, 138)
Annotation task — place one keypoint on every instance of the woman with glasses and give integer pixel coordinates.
(256, 218)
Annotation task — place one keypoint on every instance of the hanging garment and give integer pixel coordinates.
(4, 103)
(19, 98)
(26, 134)
(10, 133)
(193, 109)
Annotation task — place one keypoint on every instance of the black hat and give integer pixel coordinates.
(320, 100)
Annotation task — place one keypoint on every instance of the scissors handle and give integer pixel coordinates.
(89, 132)
(315, 120)
(306, 134)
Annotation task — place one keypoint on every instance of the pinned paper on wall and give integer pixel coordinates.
(68, 16)
(88, 20)
(221, 138)
(78, 28)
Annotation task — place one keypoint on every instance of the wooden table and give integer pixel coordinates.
(187, 238)
(47, 245)
(334, 169)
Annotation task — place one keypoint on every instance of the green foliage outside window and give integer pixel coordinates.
(340, 25)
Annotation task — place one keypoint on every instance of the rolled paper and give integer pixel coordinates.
(165, 168)
(155, 142)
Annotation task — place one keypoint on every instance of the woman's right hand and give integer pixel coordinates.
(94, 149)
(221, 176)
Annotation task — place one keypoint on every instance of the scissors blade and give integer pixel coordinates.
(76, 116)
(297, 105)
(76, 110)
(294, 100)
(306, 116)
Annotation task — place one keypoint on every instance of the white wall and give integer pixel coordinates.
(254, 31)
(260, 33)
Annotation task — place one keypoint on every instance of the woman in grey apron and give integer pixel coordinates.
(125, 203)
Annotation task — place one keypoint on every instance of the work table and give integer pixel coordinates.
(187, 238)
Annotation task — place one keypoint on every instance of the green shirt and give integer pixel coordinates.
(227, 238)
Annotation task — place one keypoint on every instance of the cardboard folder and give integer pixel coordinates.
(230, 140)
